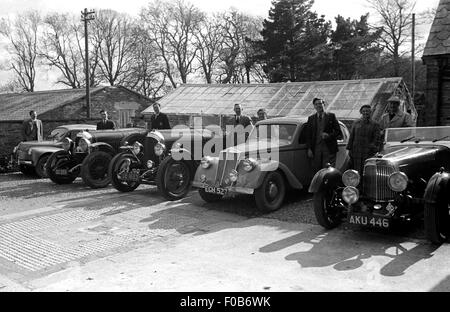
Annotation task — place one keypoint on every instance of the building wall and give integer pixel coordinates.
(110, 99)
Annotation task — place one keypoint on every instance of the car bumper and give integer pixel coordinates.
(230, 189)
(25, 162)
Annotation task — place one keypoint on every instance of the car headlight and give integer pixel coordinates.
(398, 181)
(66, 144)
(233, 175)
(350, 195)
(159, 149)
(205, 162)
(29, 151)
(351, 178)
(248, 164)
(137, 147)
(150, 164)
(83, 144)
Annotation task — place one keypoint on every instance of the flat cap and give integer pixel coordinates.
(394, 99)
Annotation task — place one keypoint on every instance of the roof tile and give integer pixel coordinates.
(438, 39)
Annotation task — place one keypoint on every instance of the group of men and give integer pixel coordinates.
(365, 139)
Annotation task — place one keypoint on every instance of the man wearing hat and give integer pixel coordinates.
(395, 118)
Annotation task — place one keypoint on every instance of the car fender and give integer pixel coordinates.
(265, 168)
(437, 184)
(325, 178)
(103, 147)
(37, 152)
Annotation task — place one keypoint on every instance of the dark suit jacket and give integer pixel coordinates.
(27, 130)
(159, 122)
(244, 120)
(109, 124)
(331, 126)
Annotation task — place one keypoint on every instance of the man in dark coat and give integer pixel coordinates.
(105, 124)
(364, 141)
(241, 119)
(323, 132)
(32, 129)
(159, 121)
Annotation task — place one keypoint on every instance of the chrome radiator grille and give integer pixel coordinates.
(375, 182)
(227, 162)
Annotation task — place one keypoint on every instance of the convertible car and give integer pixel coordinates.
(31, 156)
(407, 181)
(273, 159)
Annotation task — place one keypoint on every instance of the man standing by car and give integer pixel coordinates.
(262, 114)
(323, 132)
(364, 139)
(159, 121)
(105, 123)
(239, 118)
(395, 118)
(32, 129)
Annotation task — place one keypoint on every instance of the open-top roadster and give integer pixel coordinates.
(407, 181)
(273, 159)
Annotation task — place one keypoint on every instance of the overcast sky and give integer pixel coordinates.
(330, 8)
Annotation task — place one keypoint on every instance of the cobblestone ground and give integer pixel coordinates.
(44, 227)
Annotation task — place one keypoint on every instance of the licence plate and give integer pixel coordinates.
(369, 220)
(61, 171)
(215, 190)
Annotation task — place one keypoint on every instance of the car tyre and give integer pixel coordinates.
(40, 166)
(270, 195)
(174, 178)
(94, 169)
(115, 165)
(321, 202)
(60, 160)
(437, 220)
(209, 197)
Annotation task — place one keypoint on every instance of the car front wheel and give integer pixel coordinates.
(40, 166)
(327, 214)
(94, 170)
(118, 166)
(173, 178)
(437, 220)
(270, 195)
(58, 166)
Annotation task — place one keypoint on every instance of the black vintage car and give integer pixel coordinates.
(407, 181)
(89, 155)
(167, 159)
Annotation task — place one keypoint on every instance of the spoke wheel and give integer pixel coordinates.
(328, 213)
(61, 161)
(437, 220)
(94, 169)
(118, 165)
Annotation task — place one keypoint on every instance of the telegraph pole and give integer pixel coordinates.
(413, 57)
(87, 16)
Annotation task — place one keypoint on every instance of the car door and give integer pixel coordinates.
(302, 163)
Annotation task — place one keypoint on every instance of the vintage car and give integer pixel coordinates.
(89, 155)
(272, 160)
(155, 162)
(31, 156)
(407, 181)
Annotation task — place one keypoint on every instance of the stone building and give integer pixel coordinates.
(215, 102)
(436, 57)
(68, 106)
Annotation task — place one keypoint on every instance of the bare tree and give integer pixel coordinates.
(209, 43)
(22, 34)
(112, 35)
(172, 27)
(396, 20)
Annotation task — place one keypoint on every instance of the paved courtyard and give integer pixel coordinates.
(73, 238)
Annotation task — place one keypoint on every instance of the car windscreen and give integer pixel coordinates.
(418, 134)
(57, 134)
(276, 134)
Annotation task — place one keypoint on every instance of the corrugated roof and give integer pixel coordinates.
(16, 106)
(438, 42)
(344, 97)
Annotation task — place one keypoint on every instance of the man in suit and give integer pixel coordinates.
(241, 119)
(323, 132)
(105, 124)
(159, 120)
(32, 129)
(262, 114)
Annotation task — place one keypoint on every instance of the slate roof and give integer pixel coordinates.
(438, 42)
(16, 106)
(344, 97)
